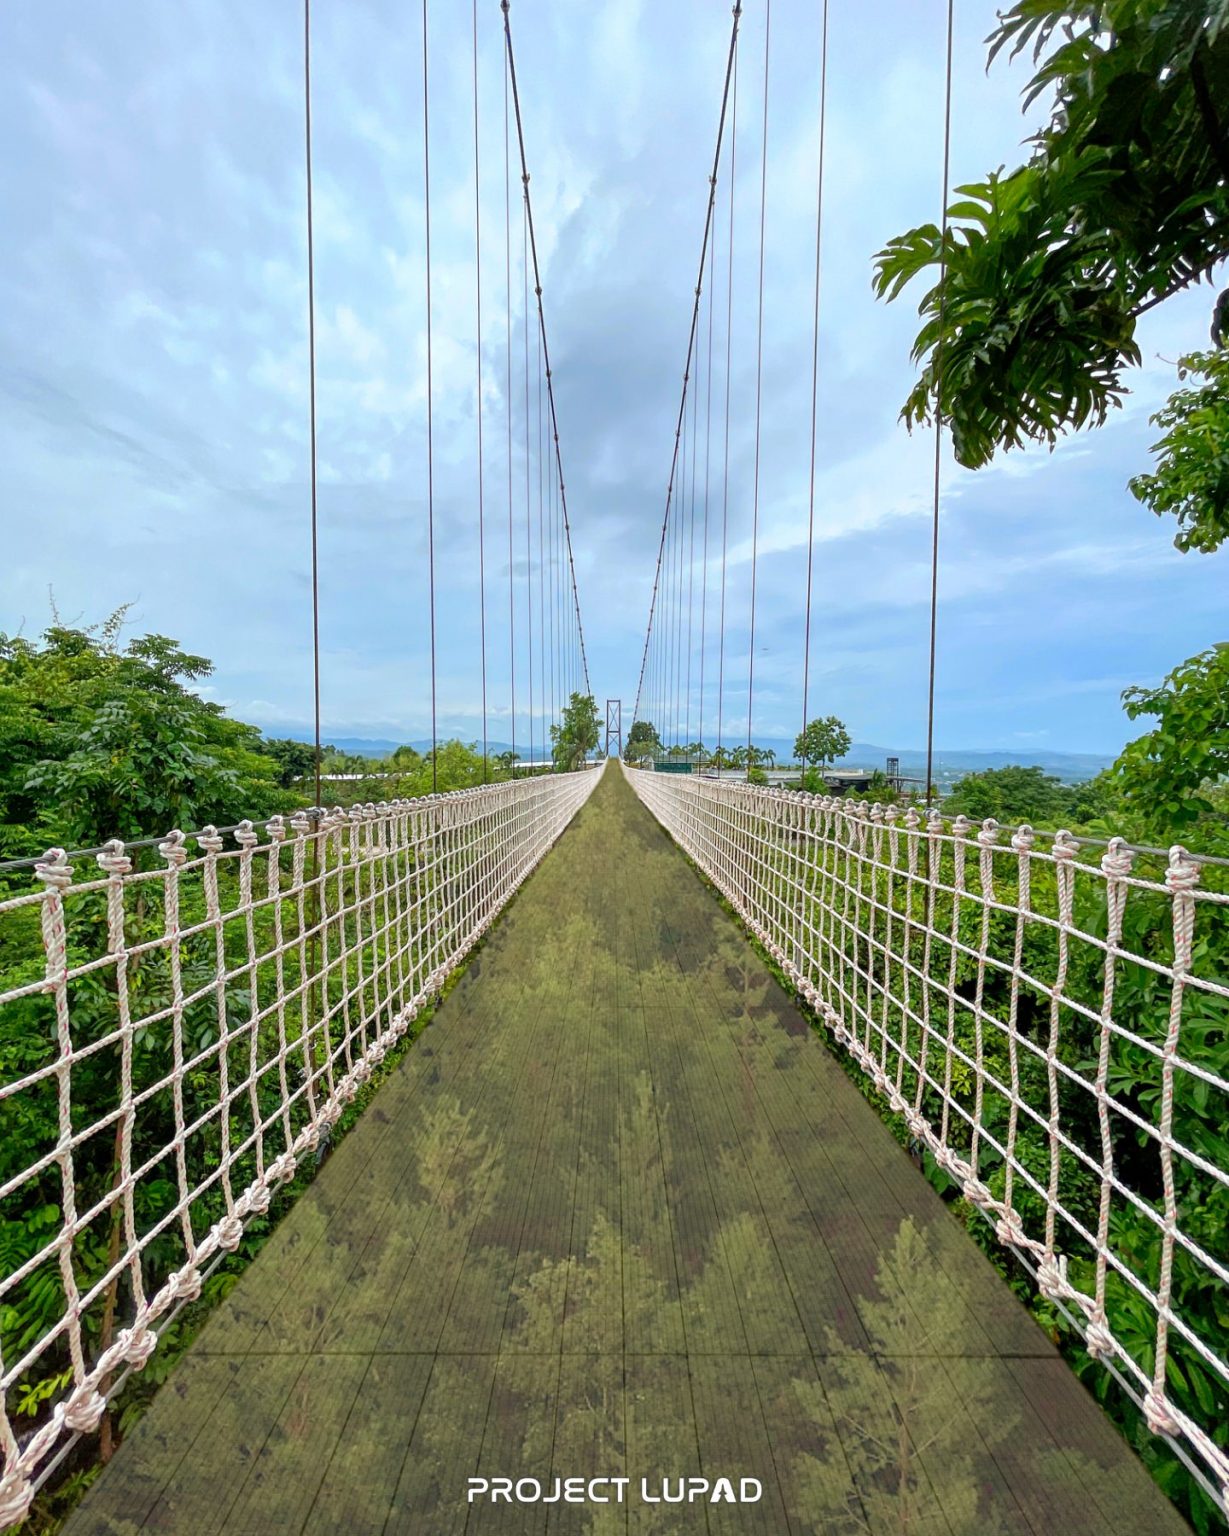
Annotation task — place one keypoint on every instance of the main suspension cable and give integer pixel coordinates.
(759, 378)
(550, 390)
(691, 341)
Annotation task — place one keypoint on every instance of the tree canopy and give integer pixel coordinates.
(100, 741)
(1123, 202)
(823, 741)
(642, 741)
(577, 733)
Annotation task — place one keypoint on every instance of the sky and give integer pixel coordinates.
(154, 379)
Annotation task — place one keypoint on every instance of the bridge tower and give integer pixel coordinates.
(614, 724)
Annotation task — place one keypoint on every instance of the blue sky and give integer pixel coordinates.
(153, 349)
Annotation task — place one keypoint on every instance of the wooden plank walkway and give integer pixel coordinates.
(620, 1214)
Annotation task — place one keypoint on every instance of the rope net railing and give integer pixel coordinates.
(1049, 1026)
(184, 1025)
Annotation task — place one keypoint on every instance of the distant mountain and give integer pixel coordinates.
(949, 765)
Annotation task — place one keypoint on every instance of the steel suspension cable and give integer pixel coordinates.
(528, 502)
(819, 230)
(691, 554)
(759, 379)
(426, 160)
(311, 383)
(708, 429)
(725, 476)
(730, 75)
(541, 565)
(508, 404)
(550, 389)
(486, 745)
(934, 538)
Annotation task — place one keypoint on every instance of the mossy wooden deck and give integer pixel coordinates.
(620, 1213)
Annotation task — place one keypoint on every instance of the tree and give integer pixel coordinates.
(507, 761)
(1124, 201)
(99, 741)
(577, 733)
(823, 742)
(1165, 774)
(295, 759)
(1012, 794)
(642, 742)
(1191, 478)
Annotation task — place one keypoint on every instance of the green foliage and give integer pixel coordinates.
(577, 733)
(1191, 478)
(823, 741)
(98, 741)
(296, 760)
(1010, 794)
(1167, 774)
(1124, 200)
(642, 742)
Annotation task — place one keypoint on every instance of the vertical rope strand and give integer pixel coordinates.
(759, 379)
(934, 532)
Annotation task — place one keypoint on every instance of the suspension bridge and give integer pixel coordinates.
(595, 1119)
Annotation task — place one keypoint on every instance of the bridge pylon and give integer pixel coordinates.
(614, 724)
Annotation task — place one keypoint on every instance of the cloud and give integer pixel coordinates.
(153, 373)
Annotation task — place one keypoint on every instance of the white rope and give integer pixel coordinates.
(896, 947)
(303, 977)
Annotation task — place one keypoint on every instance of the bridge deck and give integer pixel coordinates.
(619, 1213)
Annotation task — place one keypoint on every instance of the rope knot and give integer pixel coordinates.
(1159, 1416)
(917, 1123)
(1065, 846)
(1052, 1278)
(229, 1232)
(209, 840)
(138, 1345)
(300, 823)
(275, 829)
(1009, 1229)
(282, 1169)
(1116, 861)
(1183, 873)
(1023, 838)
(185, 1284)
(54, 870)
(1099, 1339)
(172, 848)
(989, 833)
(16, 1497)
(245, 835)
(84, 1410)
(258, 1200)
(962, 826)
(113, 860)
